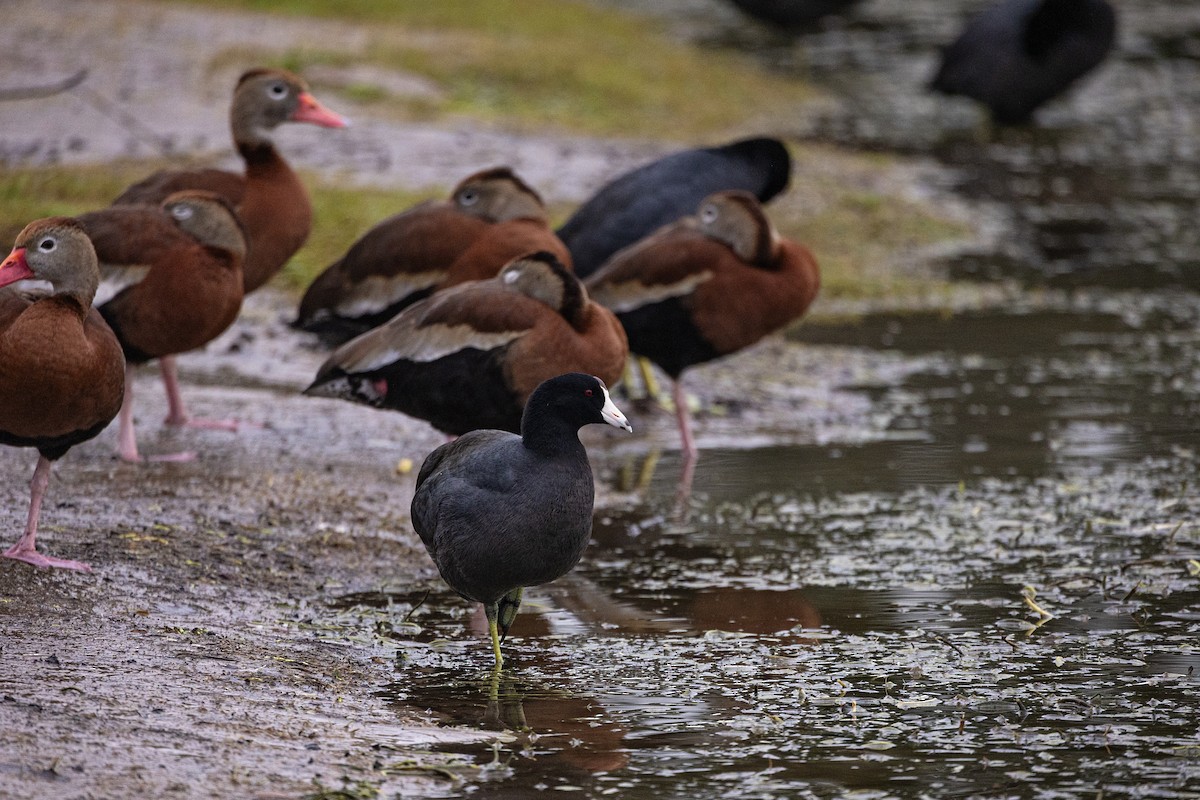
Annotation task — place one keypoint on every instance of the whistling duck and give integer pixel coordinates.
(61, 368)
(469, 356)
(172, 282)
(491, 218)
(792, 13)
(271, 202)
(640, 202)
(1019, 54)
(499, 512)
(706, 286)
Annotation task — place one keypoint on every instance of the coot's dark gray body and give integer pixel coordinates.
(1016, 55)
(496, 516)
(499, 512)
(641, 201)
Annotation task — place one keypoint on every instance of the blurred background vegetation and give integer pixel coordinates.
(552, 67)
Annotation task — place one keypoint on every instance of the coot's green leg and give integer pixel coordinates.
(492, 612)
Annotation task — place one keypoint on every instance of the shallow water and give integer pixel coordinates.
(828, 618)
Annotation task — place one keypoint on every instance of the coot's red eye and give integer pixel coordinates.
(587, 392)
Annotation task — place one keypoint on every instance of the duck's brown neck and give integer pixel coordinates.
(73, 302)
(275, 212)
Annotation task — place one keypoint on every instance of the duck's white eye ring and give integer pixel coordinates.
(277, 91)
(708, 213)
(48, 245)
(511, 275)
(182, 212)
(468, 197)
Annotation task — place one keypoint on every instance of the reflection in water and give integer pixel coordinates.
(899, 686)
(572, 731)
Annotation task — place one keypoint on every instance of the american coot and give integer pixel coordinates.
(1018, 54)
(639, 202)
(499, 512)
(792, 13)
(272, 204)
(705, 287)
(171, 282)
(469, 357)
(491, 218)
(61, 368)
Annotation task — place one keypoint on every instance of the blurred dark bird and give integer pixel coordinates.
(792, 13)
(490, 218)
(61, 369)
(171, 281)
(469, 356)
(499, 512)
(640, 202)
(1017, 55)
(706, 286)
(271, 202)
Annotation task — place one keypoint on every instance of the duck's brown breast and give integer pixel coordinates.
(61, 369)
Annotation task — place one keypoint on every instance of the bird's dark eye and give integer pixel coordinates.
(469, 197)
(278, 90)
(587, 392)
(47, 245)
(708, 213)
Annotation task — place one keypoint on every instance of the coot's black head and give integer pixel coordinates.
(569, 402)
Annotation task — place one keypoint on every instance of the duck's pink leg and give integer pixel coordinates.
(127, 447)
(126, 437)
(26, 547)
(178, 415)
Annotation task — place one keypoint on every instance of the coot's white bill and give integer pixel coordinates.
(612, 415)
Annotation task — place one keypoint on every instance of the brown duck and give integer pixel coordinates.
(271, 202)
(490, 218)
(172, 282)
(61, 369)
(705, 287)
(470, 356)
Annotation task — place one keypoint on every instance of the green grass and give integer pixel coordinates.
(340, 214)
(29, 194)
(537, 64)
(857, 238)
(853, 232)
